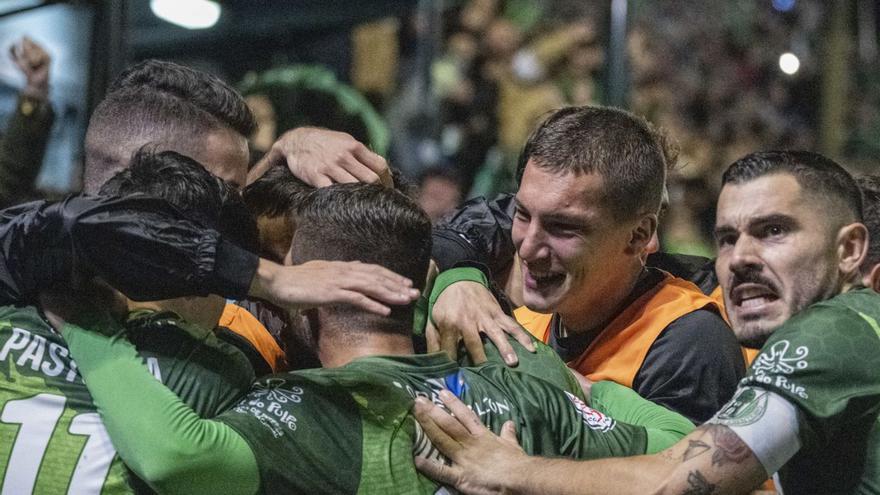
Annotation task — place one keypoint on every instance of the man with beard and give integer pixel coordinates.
(347, 427)
(790, 248)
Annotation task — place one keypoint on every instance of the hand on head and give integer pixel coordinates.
(322, 283)
(321, 157)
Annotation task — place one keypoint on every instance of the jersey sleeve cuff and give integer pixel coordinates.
(234, 269)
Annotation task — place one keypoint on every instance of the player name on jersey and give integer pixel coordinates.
(27, 349)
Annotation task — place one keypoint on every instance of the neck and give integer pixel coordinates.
(338, 348)
(203, 312)
(591, 317)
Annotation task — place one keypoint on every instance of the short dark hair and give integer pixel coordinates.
(162, 103)
(371, 224)
(819, 175)
(184, 183)
(621, 147)
(200, 89)
(870, 187)
(278, 192)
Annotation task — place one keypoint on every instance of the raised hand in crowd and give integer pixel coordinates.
(34, 62)
(321, 157)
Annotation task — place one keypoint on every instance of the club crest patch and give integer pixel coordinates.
(594, 419)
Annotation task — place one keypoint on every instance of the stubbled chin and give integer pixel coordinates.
(753, 333)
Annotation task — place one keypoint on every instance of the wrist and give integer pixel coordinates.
(450, 277)
(39, 92)
(264, 278)
(518, 476)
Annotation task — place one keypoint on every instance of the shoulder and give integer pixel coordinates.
(27, 317)
(281, 402)
(699, 330)
(839, 335)
(848, 321)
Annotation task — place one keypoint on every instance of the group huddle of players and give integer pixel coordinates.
(146, 346)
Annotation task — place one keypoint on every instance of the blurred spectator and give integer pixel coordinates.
(23, 143)
(502, 66)
(440, 192)
(310, 95)
(267, 123)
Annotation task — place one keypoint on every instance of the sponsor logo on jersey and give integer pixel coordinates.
(269, 402)
(592, 418)
(773, 364)
(480, 405)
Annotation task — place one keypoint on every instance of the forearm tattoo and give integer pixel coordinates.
(728, 446)
(698, 485)
(725, 448)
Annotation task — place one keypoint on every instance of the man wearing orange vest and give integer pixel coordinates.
(791, 261)
(585, 213)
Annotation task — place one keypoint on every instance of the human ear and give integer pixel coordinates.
(852, 245)
(642, 234)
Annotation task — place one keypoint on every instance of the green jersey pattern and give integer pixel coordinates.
(544, 363)
(826, 361)
(52, 440)
(350, 430)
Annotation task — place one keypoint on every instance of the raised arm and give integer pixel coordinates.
(23, 141)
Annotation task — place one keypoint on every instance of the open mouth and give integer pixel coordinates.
(750, 296)
(542, 280)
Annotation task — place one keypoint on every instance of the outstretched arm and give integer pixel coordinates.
(712, 459)
(145, 248)
(157, 435)
(142, 246)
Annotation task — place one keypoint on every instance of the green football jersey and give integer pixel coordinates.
(544, 363)
(349, 430)
(51, 437)
(825, 361)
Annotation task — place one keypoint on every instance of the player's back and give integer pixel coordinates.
(51, 437)
(350, 430)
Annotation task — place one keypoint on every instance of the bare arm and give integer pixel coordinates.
(711, 460)
(318, 283)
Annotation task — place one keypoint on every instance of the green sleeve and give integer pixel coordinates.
(664, 427)
(158, 436)
(451, 276)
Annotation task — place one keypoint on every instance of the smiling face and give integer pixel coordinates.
(778, 252)
(578, 260)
